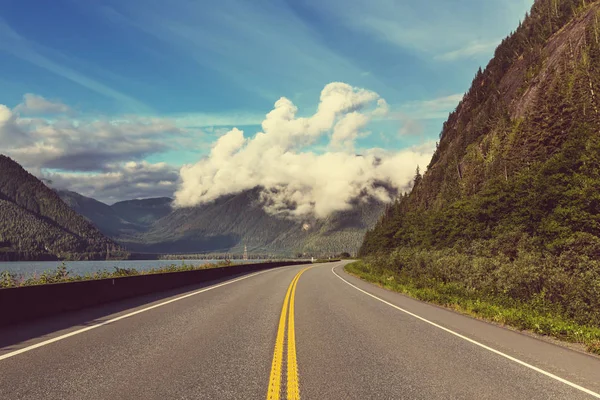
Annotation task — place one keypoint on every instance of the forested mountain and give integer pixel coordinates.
(225, 225)
(520, 154)
(36, 224)
(510, 203)
(233, 221)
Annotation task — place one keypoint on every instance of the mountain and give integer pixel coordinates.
(122, 219)
(519, 157)
(234, 221)
(143, 212)
(227, 224)
(37, 224)
(102, 215)
(508, 211)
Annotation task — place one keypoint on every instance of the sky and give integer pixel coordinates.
(120, 99)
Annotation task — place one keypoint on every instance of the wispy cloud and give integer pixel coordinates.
(257, 45)
(38, 105)
(437, 108)
(203, 120)
(472, 49)
(15, 44)
(429, 26)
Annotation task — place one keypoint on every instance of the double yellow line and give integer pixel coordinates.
(293, 387)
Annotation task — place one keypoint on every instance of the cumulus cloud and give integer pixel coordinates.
(10, 132)
(38, 105)
(297, 182)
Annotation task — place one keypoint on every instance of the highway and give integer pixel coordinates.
(310, 332)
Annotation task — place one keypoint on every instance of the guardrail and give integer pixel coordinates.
(30, 302)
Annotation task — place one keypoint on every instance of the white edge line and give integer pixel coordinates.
(523, 363)
(110, 321)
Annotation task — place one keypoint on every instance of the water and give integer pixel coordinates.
(31, 268)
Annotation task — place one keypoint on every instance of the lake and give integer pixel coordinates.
(30, 268)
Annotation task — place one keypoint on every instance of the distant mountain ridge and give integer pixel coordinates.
(225, 225)
(122, 219)
(37, 224)
(145, 211)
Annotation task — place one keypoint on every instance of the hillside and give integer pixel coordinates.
(102, 215)
(37, 224)
(225, 225)
(143, 212)
(122, 219)
(233, 221)
(520, 152)
(509, 207)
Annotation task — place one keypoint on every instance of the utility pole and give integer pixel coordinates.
(245, 253)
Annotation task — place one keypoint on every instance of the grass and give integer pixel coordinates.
(61, 274)
(520, 315)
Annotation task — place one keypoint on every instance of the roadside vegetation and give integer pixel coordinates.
(62, 274)
(505, 222)
(496, 290)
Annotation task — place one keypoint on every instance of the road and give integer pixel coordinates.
(303, 331)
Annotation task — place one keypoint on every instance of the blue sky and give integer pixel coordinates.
(208, 66)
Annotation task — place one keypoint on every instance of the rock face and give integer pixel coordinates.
(36, 224)
(520, 154)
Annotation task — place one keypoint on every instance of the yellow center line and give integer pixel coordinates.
(293, 390)
(275, 378)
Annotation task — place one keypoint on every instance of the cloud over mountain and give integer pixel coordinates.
(297, 181)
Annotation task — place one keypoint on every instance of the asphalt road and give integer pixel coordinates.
(317, 333)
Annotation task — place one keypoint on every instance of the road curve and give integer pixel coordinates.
(292, 332)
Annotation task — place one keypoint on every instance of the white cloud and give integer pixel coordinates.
(470, 50)
(262, 47)
(431, 27)
(443, 103)
(38, 105)
(346, 130)
(104, 158)
(202, 120)
(10, 133)
(411, 127)
(296, 182)
(438, 108)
